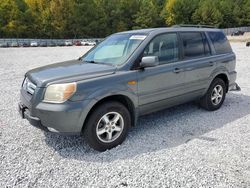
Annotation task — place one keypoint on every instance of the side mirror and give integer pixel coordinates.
(149, 61)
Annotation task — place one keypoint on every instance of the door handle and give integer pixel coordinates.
(177, 70)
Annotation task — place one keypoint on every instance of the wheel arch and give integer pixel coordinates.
(224, 77)
(123, 99)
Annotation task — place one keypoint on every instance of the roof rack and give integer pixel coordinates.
(197, 26)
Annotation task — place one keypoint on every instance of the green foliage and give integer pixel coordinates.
(208, 13)
(99, 18)
(147, 15)
(12, 18)
(179, 11)
(221, 13)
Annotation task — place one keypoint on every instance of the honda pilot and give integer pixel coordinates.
(127, 75)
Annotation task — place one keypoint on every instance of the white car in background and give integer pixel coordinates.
(34, 44)
(88, 43)
(92, 43)
(68, 43)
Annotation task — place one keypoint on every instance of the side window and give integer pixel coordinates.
(164, 46)
(220, 42)
(194, 45)
(206, 45)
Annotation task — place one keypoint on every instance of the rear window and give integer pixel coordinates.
(220, 42)
(194, 45)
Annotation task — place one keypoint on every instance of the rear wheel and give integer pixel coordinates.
(215, 95)
(107, 126)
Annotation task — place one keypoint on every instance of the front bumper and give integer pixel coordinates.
(65, 118)
(25, 114)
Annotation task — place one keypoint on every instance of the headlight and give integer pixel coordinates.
(59, 93)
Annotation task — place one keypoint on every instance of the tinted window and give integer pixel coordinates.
(220, 42)
(194, 45)
(165, 47)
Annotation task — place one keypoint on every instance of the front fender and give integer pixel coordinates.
(100, 95)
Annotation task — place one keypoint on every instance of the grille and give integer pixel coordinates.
(28, 86)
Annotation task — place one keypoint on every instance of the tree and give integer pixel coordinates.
(179, 11)
(99, 18)
(120, 14)
(241, 12)
(13, 18)
(40, 11)
(61, 13)
(88, 19)
(184, 11)
(208, 13)
(147, 15)
(168, 12)
(226, 9)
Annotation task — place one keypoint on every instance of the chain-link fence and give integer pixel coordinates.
(229, 31)
(14, 42)
(78, 42)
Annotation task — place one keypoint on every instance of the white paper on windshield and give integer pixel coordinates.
(137, 37)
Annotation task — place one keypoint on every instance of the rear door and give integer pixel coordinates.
(224, 57)
(198, 60)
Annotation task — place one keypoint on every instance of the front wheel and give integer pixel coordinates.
(215, 95)
(107, 126)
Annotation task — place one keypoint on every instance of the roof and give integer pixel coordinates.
(169, 29)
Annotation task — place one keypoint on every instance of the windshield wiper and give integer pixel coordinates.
(95, 62)
(91, 62)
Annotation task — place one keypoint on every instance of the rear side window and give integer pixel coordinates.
(194, 45)
(220, 42)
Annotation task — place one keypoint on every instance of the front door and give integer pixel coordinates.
(163, 85)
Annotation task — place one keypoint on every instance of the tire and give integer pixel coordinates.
(103, 120)
(213, 100)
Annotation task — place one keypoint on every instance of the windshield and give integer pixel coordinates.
(115, 50)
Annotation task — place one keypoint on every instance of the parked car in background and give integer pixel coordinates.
(14, 44)
(84, 43)
(129, 74)
(237, 33)
(77, 43)
(43, 44)
(25, 44)
(60, 43)
(51, 44)
(92, 43)
(88, 43)
(34, 44)
(68, 43)
(4, 45)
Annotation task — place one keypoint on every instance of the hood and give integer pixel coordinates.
(68, 71)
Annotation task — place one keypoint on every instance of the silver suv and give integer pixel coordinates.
(129, 74)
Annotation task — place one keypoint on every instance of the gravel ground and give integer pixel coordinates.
(184, 146)
(241, 38)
